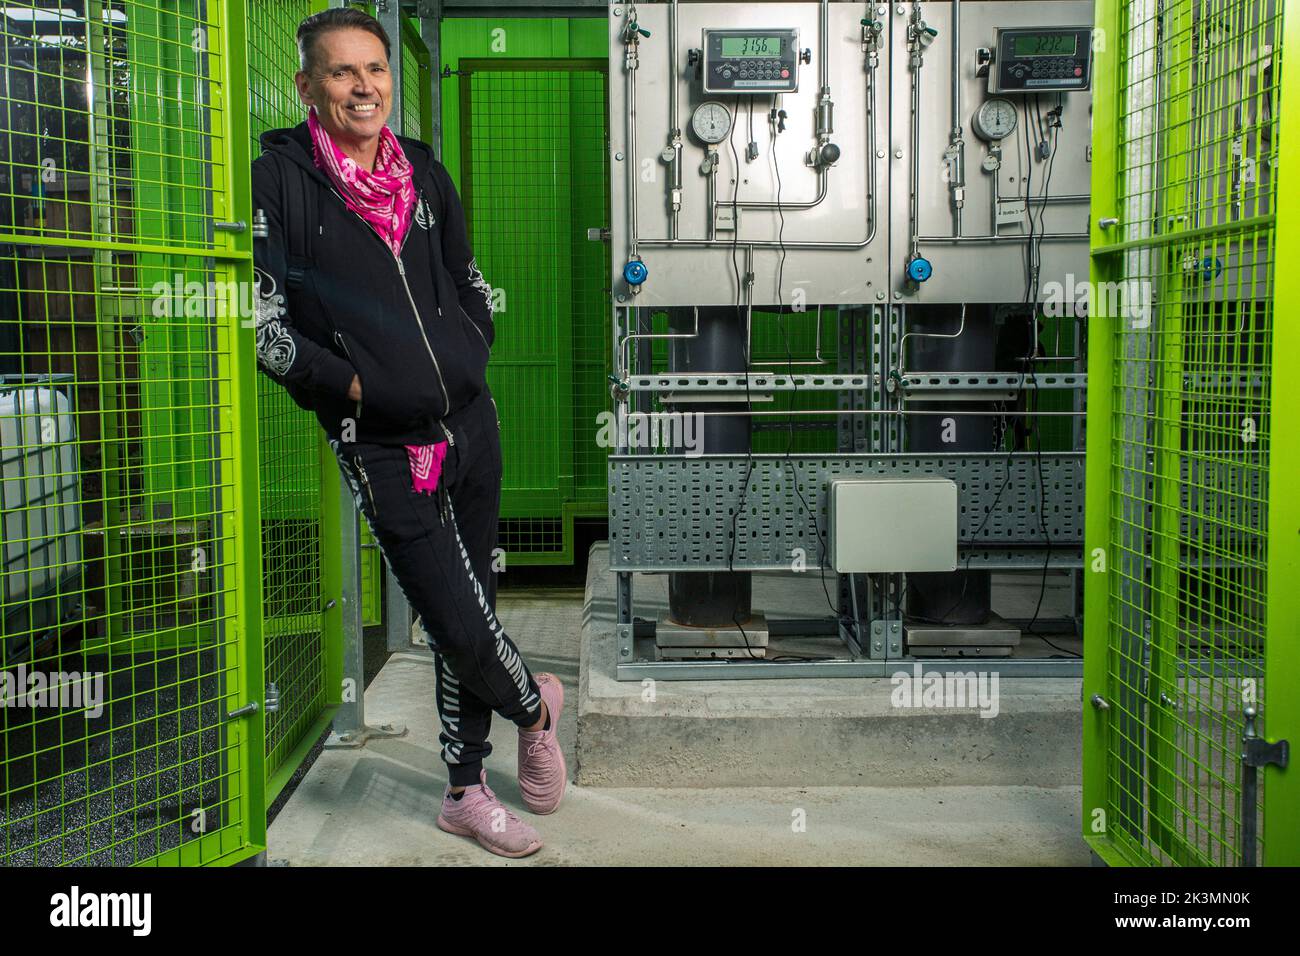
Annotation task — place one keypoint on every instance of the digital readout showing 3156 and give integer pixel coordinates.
(751, 46)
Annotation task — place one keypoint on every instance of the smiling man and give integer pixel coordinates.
(373, 314)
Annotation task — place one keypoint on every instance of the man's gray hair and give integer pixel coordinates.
(336, 18)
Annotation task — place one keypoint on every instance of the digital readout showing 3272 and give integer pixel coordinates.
(751, 46)
(1044, 44)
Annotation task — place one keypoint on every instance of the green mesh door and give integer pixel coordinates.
(294, 463)
(131, 568)
(534, 179)
(1192, 549)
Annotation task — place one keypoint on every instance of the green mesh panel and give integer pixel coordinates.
(1189, 385)
(123, 548)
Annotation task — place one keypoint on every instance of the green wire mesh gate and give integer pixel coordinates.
(298, 535)
(1190, 626)
(129, 603)
(534, 180)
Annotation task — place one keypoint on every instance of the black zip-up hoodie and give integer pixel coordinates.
(417, 330)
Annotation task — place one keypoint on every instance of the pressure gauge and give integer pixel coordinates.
(711, 122)
(995, 119)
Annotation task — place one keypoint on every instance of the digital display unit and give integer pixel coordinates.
(750, 61)
(1041, 60)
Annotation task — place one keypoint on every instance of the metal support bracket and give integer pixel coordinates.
(886, 640)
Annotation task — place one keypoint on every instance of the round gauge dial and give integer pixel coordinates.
(711, 122)
(995, 119)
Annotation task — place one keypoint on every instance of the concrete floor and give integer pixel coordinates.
(377, 806)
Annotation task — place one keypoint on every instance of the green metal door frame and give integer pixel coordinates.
(1152, 789)
(1282, 651)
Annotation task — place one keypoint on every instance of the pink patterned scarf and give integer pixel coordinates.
(384, 198)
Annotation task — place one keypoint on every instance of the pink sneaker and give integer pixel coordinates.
(542, 773)
(479, 814)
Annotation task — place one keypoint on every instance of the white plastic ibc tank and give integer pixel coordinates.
(40, 518)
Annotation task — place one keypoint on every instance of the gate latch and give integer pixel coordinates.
(1258, 752)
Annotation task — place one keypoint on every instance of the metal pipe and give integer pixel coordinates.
(955, 138)
(625, 357)
(825, 29)
(956, 72)
(711, 188)
(902, 353)
(631, 43)
(914, 199)
(673, 119)
(787, 206)
(1046, 236)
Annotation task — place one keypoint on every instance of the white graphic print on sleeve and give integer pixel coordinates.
(275, 348)
(480, 283)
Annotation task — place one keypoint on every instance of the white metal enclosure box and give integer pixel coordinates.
(892, 524)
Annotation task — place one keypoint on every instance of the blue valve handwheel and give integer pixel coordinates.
(919, 269)
(635, 272)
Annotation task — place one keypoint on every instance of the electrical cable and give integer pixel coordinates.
(789, 358)
(970, 553)
(774, 123)
(1052, 137)
(749, 454)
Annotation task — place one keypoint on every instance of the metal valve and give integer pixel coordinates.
(618, 388)
(635, 273)
(919, 269)
(825, 155)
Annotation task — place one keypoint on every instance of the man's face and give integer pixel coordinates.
(349, 84)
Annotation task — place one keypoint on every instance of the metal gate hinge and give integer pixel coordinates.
(1258, 752)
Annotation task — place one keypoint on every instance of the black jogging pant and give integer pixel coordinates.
(439, 547)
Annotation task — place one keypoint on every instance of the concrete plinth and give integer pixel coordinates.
(811, 732)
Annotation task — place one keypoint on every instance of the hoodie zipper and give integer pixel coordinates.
(401, 271)
(365, 480)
